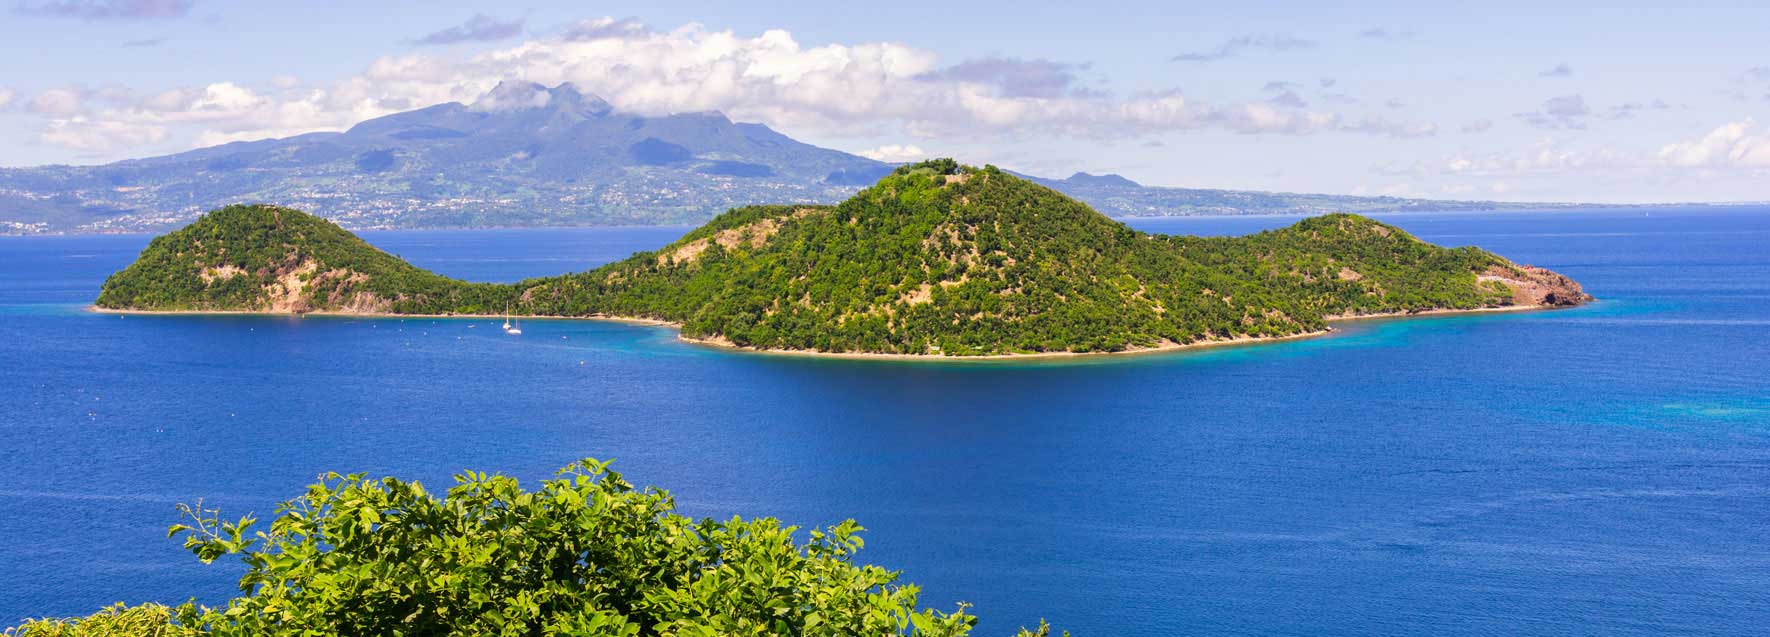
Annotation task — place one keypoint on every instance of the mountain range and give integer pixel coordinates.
(527, 155)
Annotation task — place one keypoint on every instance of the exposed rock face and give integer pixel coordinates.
(288, 294)
(220, 273)
(751, 235)
(1532, 285)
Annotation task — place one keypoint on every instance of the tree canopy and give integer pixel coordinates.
(936, 258)
(586, 554)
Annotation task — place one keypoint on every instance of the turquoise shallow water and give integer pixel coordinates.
(1603, 470)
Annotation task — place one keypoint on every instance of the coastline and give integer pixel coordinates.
(384, 315)
(1347, 318)
(718, 343)
(1140, 351)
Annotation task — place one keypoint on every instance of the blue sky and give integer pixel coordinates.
(1493, 100)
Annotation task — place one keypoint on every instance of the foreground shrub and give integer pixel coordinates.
(147, 620)
(586, 554)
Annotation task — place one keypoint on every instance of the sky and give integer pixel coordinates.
(1499, 100)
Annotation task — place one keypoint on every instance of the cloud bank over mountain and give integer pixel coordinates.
(1268, 102)
(769, 77)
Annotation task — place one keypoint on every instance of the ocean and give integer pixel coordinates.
(1599, 470)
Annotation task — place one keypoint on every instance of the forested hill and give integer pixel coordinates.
(936, 258)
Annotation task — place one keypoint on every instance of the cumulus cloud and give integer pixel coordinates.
(1237, 45)
(513, 96)
(1758, 73)
(80, 133)
(1740, 148)
(6, 97)
(108, 9)
(1545, 159)
(1015, 77)
(1564, 112)
(1559, 70)
(895, 153)
(479, 28)
(839, 89)
(1734, 145)
(1477, 126)
(1737, 146)
(62, 102)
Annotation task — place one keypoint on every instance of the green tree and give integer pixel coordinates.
(585, 554)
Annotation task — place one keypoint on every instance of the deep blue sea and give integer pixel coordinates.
(1596, 471)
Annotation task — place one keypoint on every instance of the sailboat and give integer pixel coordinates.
(510, 328)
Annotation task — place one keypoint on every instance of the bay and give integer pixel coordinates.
(1601, 470)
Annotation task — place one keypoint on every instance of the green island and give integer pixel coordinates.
(585, 555)
(936, 259)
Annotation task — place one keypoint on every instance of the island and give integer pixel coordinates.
(935, 259)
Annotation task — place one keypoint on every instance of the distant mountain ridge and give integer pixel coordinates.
(1118, 196)
(528, 155)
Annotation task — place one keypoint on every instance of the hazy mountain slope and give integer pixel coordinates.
(521, 155)
(527, 155)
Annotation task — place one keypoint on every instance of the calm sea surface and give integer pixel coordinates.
(1604, 470)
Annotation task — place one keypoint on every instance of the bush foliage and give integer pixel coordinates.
(586, 554)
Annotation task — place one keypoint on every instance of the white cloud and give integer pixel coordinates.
(846, 90)
(1733, 145)
(1547, 158)
(80, 133)
(895, 153)
(57, 102)
(513, 96)
(6, 96)
(1562, 112)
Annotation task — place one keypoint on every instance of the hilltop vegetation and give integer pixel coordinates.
(586, 554)
(271, 259)
(934, 258)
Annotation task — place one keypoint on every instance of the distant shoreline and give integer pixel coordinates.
(719, 343)
(1549, 208)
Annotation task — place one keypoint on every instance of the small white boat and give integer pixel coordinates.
(512, 329)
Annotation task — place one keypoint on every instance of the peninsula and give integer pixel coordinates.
(936, 259)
